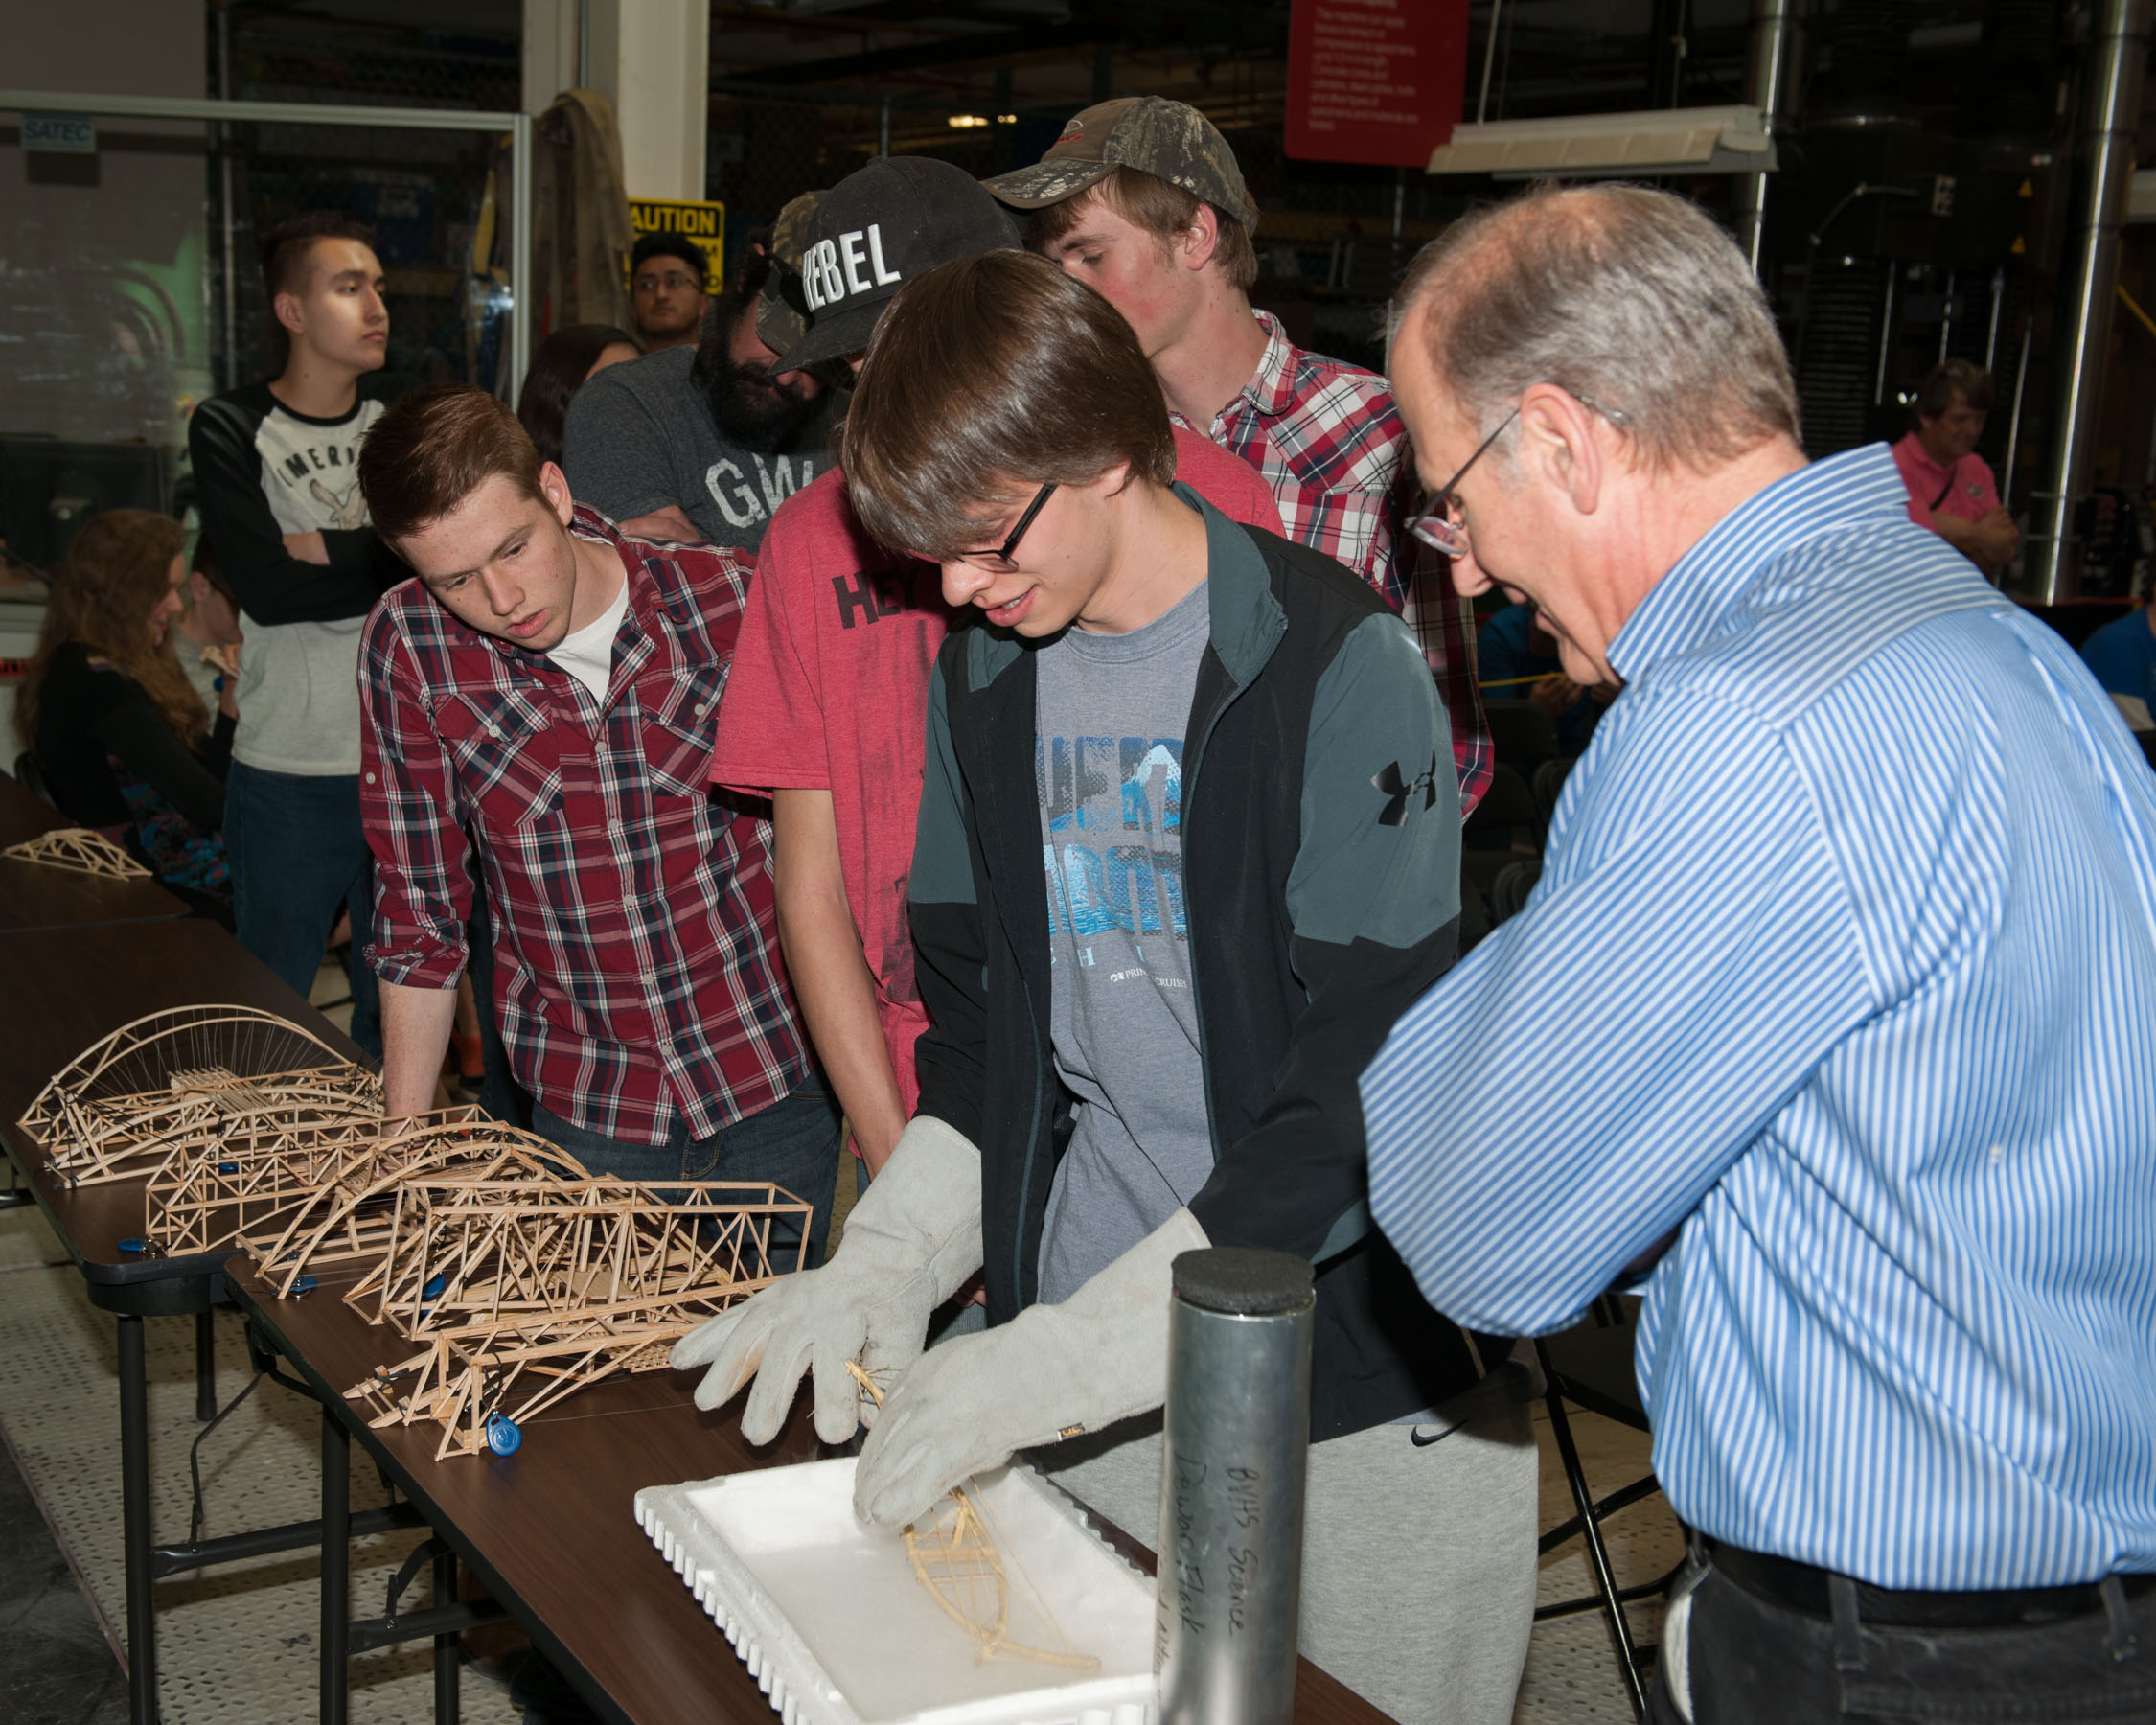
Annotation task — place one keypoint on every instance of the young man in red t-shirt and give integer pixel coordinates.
(826, 706)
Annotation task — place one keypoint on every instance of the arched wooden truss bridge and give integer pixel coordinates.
(523, 1280)
(190, 1079)
(266, 1182)
(529, 1292)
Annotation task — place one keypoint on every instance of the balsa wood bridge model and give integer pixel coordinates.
(81, 851)
(518, 1280)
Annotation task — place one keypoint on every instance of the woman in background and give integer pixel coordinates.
(565, 361)
(124, 742)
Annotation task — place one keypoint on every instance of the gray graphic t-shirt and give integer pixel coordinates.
(1108, 764)
(641, 436)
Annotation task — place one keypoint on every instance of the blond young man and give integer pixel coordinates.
(1143, 199)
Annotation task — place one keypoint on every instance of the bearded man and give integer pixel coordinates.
(699, 446)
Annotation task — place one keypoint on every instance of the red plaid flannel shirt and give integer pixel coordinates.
(636, 968)
(1329, 443)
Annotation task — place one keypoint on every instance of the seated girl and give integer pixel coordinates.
(125, 743)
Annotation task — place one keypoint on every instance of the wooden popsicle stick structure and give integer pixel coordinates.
(472, 1250)
(956, 1555)
(81, 851)
(354, 1231)
(265, 1179)
(482, 1242)
(547, 1286)
(189, 1079)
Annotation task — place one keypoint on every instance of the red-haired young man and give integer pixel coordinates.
(552, 688)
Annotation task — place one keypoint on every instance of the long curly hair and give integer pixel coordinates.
(117, 571)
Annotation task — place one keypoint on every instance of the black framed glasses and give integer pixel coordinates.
(1437, 525)
(1004, 552)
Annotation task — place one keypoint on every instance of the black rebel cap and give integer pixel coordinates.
(873, 232)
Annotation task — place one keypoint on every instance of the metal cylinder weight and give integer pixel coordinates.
(1236, 1444)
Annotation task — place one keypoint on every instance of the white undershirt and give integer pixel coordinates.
(588, 654)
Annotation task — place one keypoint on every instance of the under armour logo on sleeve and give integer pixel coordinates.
(1398, 787)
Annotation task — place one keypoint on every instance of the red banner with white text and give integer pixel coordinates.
(1374, 81)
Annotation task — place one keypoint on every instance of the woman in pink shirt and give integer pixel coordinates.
(1950, 487)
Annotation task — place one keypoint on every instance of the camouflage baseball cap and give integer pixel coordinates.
(781, 312)
(1169, 140)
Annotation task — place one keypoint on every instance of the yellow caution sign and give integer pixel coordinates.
(705, 223)
(2019, 249)
(2028, 188)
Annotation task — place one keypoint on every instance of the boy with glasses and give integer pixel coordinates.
(1188, 843)
(826, 704)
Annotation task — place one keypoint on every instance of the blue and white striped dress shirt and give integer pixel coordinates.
(1843, 968)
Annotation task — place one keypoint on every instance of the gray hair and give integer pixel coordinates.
(1629, 299)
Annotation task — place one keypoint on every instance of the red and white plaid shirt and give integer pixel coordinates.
(637, 969)
(1328, 441)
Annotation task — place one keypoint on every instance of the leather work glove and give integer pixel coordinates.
(1052, 1373)
(910, 1243)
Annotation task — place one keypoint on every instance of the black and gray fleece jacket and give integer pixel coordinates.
(1320, 846)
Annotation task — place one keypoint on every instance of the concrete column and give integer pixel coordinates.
(650, 59)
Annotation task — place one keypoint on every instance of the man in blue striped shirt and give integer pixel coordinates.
(1851, 908)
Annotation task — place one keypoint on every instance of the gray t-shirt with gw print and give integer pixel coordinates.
(640, 435)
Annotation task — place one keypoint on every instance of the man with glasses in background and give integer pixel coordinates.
(667, 275)
(699, 443)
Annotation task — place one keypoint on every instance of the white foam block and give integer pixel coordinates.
(830, 1619)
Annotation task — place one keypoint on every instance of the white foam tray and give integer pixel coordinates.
(833, 1624)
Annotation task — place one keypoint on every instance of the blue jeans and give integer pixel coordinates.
(793, 1143)
(298, 855)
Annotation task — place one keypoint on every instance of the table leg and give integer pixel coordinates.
(446, 1695)
(205, 1367)
(136, 1536)
(337, 1564)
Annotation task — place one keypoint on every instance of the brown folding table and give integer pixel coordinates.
(61, 990)
(37, 895)
(550, 1528)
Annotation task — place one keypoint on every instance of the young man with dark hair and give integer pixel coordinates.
(1142, 198)
(1188, 843)
(826, 706)
(698, 445)
(277, 487)
(552, 688)
(669, 277)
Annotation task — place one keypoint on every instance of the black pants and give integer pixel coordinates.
(1756, 1662)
